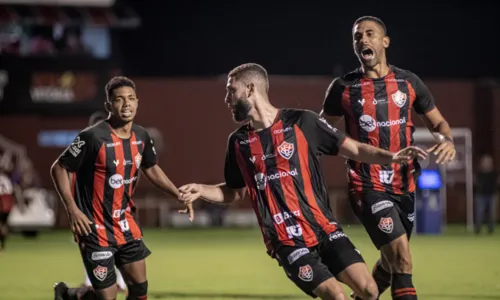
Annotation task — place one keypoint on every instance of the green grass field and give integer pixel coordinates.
(232, 264)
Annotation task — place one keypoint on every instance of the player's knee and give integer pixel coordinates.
(369, 291)
(329, 290)
(138, 291)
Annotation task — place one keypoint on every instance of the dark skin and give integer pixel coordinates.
(370, 43)
(122, 107)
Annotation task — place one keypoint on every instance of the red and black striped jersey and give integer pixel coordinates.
(378, 112)
(281, 170)
(104, 170)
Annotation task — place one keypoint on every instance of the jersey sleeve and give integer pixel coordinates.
(322, 137)
(149, 158)
(232, 173)
(332, 105)
(75, 155)
(424, 100)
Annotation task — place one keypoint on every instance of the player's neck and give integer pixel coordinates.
(121, 129)
(263, 115)
(378, 71)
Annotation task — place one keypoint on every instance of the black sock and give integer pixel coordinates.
(402, 287)
(83, 293)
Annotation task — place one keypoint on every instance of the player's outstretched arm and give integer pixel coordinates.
(373, 155)
(79, 223)
(219, 194)
(159, 179)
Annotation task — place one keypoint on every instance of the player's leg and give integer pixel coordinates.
(99, 266)
(304, 268)
(130, 260)
(364, 206)
(346, 263)
(397, 225)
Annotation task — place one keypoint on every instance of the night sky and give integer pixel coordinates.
(193, 38)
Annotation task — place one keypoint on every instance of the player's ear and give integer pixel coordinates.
(250, 89)
(107, 106)
(386, 41)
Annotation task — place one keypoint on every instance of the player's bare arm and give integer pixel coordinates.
(373, 155)
(219, 194)
(79, 223)
(159, 179)
(445, 149)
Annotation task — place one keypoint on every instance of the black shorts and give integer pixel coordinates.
(309, 267)
(100, 261)
(386, 217)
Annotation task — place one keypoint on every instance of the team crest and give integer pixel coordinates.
(286, 150)
(101, 273)
(137, 160)
(386, 225)
(306, 273)
(399, 98)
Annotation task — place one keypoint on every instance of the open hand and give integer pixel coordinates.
(79, 222)
(445, 152)
(409, 153)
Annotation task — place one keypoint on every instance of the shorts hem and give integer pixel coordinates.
(352, 262)
(121, 264)
(393, 238)
(311, 293)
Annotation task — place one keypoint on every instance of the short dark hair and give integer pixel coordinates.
(373, 19)
(250, 70)
(118, 82)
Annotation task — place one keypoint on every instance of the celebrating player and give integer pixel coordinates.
(376, 101)
(103, 162)
(274, 157)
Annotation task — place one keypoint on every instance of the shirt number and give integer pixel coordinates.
(386, 176)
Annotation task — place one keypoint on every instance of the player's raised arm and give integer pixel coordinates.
(157, 177)
(69, 162)
(332, 107)
(434, 120)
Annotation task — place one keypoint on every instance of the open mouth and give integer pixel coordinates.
(127, 113)
(367, 53)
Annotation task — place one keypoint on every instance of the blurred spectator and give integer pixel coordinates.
(486, 184)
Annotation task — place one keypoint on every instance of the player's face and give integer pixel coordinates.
(370, 42)
(237, 99)
(123, 104)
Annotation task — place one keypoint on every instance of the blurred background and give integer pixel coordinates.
(56, 57)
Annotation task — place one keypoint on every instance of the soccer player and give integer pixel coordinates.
(103, 162)
(274, 158)
(376, 101)
(120, 282)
